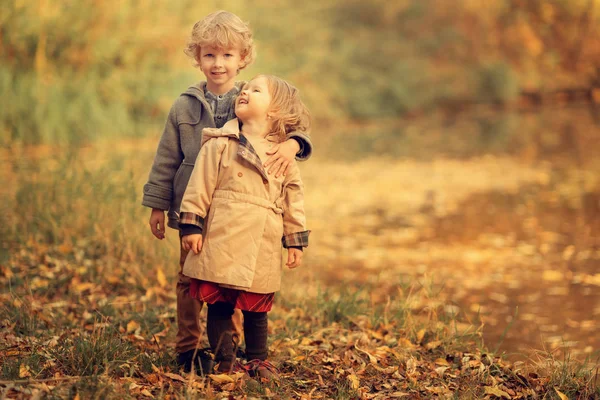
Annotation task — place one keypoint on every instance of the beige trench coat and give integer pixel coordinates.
(246, 214)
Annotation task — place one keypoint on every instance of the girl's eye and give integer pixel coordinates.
(208, 55)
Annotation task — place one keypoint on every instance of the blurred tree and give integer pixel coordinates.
(76, 70)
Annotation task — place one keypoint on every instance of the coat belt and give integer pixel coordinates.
(248, 198)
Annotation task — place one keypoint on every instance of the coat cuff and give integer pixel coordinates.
(305, 145)
(188, 218)
(157, 197)
(295, 239)
(186, 229)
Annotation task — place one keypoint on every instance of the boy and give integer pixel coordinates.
(221, 45)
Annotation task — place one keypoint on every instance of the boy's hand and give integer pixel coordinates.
(157, 223)
(192, 242)
(294, 258)
(282, 155)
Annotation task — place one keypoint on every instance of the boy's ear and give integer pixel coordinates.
(242, 63)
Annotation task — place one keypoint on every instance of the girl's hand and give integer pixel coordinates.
(282, 155)
(294, 258)
(192, 242)
(157, 223)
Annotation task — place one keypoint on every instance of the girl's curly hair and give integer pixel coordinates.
(288, 112)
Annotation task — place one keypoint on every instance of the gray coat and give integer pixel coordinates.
(178, 148)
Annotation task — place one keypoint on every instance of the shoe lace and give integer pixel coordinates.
(253, 366)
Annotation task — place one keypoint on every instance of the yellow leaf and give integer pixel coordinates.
(82, 287)
(433, 345)
(221, 378)
(354, 382)
(561, 395)
(132, 326)
(65, 248)
(552, 276)
(420, 335)
(145, 392)
(76, 397)
(161, 278)
(372, 358)
(24, 371)
(494, 391)
(442, 361)
(175, 377)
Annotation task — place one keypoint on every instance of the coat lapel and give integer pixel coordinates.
(247, 152)
(245, 149)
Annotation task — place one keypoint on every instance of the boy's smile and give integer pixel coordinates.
(220, 66)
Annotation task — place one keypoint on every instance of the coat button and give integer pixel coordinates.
(240, 174)
(265, 181)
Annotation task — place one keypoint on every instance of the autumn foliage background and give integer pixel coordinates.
(454, 198)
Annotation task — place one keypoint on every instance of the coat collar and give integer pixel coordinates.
(197, 91)
(245, 150)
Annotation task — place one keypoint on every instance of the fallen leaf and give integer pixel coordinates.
(420, 335)
(24, 371)
(354, 381)
(561, 395)
(132, 326)
(161, 278)
(174, 377)
(221, 378)
(82, 287)
(372, 358)
(433, 345)
(552, 275)
(494, 391)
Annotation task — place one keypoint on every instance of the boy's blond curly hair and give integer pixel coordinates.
(223, 30)
(287, 111)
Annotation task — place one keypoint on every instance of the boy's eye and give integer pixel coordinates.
(208, 55)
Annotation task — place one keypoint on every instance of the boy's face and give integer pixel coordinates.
(220, 66)
(254, 100)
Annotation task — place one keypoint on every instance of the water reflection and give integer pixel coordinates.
(534, 247)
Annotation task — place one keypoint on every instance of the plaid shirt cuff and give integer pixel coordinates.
(186, 218)
(298, 239)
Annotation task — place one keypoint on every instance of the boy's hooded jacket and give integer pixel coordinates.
(178, 149)
(246, 214)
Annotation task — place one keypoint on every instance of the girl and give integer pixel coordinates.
(235, 218)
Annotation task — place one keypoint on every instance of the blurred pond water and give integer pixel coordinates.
(524, 257)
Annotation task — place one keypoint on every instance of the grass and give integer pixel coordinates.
(84, 312)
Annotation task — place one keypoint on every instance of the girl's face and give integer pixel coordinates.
(254, 100)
